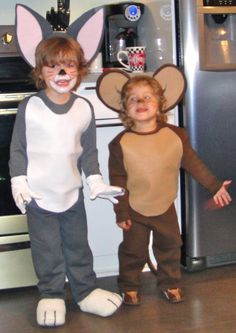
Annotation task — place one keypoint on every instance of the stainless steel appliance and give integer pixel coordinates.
(207, 52)
(121, 24)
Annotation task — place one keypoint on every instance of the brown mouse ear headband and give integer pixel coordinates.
(169, 76)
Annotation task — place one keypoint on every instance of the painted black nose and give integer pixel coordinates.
(140, 100)
(62, 72)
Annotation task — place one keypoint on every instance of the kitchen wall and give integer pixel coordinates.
(77, 7)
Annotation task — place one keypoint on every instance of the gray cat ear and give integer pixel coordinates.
(88, 30)
(31, 28)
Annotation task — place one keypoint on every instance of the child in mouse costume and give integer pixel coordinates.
(54, 139)
(145, 159)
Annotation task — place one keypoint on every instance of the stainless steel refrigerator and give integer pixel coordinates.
(206, 46)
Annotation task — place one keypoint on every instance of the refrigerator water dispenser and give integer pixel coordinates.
(217, 36)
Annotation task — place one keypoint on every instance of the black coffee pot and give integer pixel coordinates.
(121, 30)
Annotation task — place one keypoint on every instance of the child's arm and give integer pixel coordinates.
(90, 166)
(194, 165)
(21, 192)
(118, 177)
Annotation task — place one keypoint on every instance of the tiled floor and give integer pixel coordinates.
(209, 307)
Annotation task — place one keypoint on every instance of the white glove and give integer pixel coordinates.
(101, 190)
(21, 192)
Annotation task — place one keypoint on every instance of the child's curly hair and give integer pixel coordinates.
(58, 49)
(125, 92)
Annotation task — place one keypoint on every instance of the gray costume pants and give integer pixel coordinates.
(60, 248)
(133, 251)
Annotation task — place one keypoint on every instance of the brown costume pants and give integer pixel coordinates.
(133, 251)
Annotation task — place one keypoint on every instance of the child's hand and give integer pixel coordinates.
(99, 189)
(125, 225)
(21, 192)
(222, 197)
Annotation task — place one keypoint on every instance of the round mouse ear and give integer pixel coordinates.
(173, 81)
(109, 86)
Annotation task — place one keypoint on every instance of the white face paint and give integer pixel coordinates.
(62, 83)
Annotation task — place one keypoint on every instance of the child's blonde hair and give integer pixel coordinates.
(132, 83)
(58, 49)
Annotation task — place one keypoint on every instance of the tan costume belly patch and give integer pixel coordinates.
(152, 162)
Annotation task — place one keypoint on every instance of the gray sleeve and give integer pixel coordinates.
(18, 157)
(89, 159)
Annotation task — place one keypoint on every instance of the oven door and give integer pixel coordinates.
(15, 254)
(15, 259)
(8, 108)
(7, 205)
(15, 72)
(15, 75)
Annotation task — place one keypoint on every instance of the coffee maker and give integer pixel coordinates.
(121, 26)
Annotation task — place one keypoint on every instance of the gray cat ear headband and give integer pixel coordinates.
(169, 76)
(32, 28)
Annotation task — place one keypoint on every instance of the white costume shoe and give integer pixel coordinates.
(101, 302)
(51, 312)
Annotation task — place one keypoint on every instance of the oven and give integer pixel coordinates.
(15, 84)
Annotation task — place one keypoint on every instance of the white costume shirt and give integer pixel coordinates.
(50, 144)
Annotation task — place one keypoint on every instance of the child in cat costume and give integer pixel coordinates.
(54, 139)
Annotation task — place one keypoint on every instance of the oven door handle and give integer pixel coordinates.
(6, 112)
(14, 247)
(11, 101)
(14, 242)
